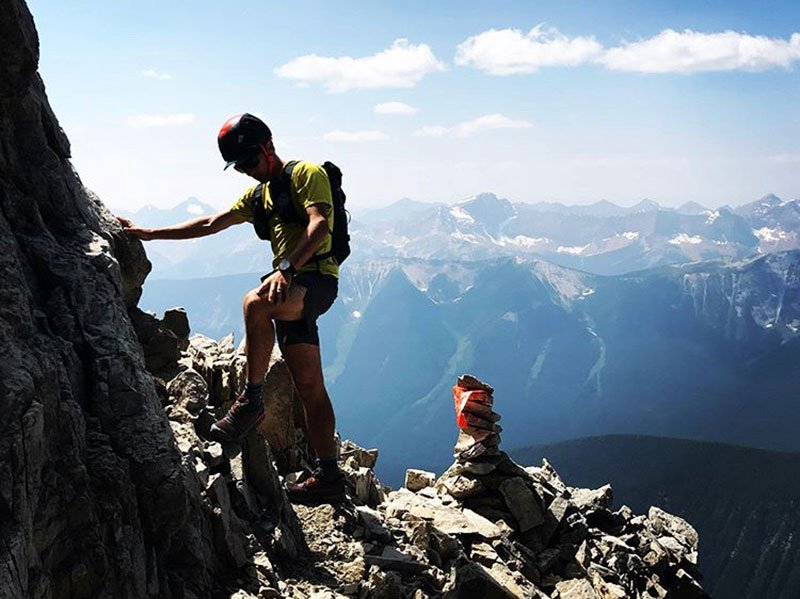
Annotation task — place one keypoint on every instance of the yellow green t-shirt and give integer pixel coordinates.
(309, 186)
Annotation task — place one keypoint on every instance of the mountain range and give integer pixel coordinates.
(602, 238)
(703, 351)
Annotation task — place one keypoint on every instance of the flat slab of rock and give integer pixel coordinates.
(392, 559)
(449, 520)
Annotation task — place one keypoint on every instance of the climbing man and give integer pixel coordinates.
(302, 286)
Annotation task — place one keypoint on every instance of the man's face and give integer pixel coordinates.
(259, 165)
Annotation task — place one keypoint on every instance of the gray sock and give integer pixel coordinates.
(329, 467)
(252, 392)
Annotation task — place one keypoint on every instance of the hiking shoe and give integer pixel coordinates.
(239, 420)
(316, 489)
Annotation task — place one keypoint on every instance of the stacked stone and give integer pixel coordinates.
(479, 433)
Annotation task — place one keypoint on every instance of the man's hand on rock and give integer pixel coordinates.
(133, 230)
(275, 287)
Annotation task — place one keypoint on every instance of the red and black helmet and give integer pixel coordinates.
(240, 136)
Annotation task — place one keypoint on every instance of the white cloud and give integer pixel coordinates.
(399, 108)
(402, 65)
(354, 136)
(478, 125)
(509, 51)
(431, 131)
(153, 74)
(159, 120)
(690, 51)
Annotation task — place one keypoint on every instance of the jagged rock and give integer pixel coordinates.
(372, 524)
(160, 345)
(522, 502)
(228, 530)
(606, 590)
(588, 500)
(549, 474)
(189, 391)
(383, 585)
(177, 321)
(575, 589)
(367, 489)
(440, 546)
(472, 581)
(283, 422)
(462, 487)
(661, 522)
(365, 458)
(416, 480)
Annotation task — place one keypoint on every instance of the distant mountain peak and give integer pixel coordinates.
(770, 199)
(485, 197)
(646, 205)
(691, 207)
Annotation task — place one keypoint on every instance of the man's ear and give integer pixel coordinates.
(268, 147)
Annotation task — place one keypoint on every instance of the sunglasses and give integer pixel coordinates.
(247, 164)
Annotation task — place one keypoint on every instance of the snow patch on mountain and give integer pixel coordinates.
(712, 216)
(468, 237)
(575, 250)
(683, 238)
(523, 241)
(461, 215)
(765, 234)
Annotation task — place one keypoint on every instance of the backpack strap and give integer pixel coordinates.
(260, 216)
(280, 190)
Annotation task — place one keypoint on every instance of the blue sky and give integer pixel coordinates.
(437, 101)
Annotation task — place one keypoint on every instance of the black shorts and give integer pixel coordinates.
(321, 291)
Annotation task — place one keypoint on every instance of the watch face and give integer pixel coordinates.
(285, 265)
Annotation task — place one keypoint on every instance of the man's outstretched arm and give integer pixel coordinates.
(198, 227)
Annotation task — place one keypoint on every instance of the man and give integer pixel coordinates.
(302, 286)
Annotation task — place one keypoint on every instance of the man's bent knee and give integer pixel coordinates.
(311, 390)
(255, 304)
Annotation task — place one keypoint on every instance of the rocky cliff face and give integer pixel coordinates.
(94, 497)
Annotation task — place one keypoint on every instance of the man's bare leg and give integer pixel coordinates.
(260, 331)
(305, 364)
(327, 483)
(248, 409)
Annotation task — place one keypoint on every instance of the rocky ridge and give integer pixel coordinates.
(486, 528)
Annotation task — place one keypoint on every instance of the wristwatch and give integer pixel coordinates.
(287, 268)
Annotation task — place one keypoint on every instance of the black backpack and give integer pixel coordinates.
(283, 207)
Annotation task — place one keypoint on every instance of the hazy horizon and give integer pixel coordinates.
(362, 209)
